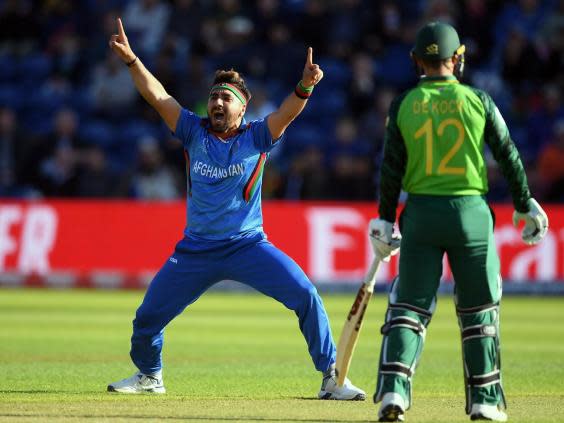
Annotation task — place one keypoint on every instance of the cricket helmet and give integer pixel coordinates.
(437, 41)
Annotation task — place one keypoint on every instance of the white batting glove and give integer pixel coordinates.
(536, 223)
(384, 243)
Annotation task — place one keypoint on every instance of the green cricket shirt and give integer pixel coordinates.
(434, 145)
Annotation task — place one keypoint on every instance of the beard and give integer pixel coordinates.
(219, 126)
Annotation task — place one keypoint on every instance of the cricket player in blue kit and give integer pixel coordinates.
(224, 238)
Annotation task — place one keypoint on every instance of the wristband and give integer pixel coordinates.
(129, 64)
(303, 92)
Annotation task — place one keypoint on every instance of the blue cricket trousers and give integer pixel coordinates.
(252, 260)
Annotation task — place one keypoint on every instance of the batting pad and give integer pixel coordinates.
(404, 333)
(479, 327)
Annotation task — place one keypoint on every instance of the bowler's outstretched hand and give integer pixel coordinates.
(312, 72)
(119, 44)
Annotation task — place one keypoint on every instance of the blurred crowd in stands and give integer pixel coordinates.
(73, 125)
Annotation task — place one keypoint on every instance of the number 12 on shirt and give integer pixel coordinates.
(426, 131)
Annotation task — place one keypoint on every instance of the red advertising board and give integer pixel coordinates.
(328, 240)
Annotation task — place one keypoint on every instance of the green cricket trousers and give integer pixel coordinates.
(462, 228)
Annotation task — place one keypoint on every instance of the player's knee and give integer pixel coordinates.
(478, 322)
(306, 292)
(304, 296)
(404, 314)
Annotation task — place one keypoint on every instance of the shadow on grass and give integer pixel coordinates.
(187, 418)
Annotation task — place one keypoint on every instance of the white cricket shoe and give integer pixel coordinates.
(392, 408)
(347, 392)
(487, 412)
(138, 384)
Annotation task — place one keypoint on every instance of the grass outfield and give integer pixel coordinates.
(234, 357)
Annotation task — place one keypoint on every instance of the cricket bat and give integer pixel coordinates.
(353, 324)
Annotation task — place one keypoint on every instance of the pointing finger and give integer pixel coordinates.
(309, 60)
(120, 28)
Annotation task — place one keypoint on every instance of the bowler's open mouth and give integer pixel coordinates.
(218, 116)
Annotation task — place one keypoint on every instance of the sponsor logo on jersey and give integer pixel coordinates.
(214, 172)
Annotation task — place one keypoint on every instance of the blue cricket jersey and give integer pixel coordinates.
(224, 177)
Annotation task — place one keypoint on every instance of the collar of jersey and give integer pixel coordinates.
(225, 136)
(446, 78)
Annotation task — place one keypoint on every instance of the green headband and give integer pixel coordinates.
(230, 87)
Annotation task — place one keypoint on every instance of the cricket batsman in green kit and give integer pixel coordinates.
(434, 145)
